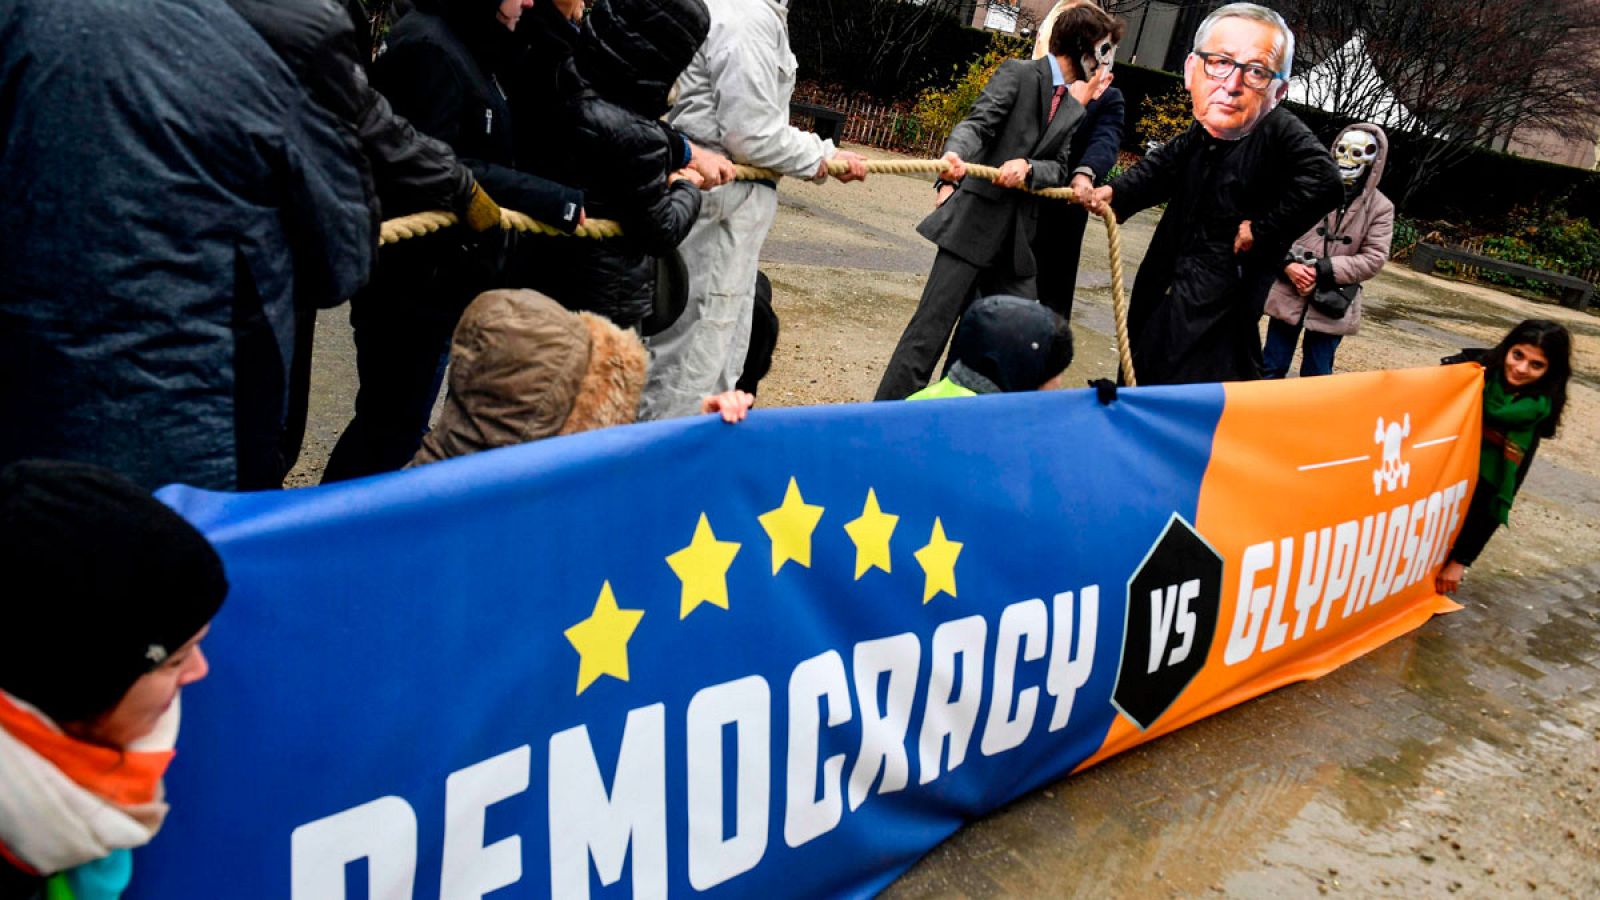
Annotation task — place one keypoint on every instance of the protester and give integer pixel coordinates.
(1005, 345)
(1023, 124)
(546, 90)
(167, 196)
(1320, 287)
(410, 172)
(1059, 239)
(524, 368)
(630, 53)
(108, 595)
(1239, 185)
(440, 72)
(1524, 395)
(734, 96)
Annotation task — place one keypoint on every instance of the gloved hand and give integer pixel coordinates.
(482, 213)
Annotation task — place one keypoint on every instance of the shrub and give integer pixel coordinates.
(1125, 161)
(1406, 236)
(1549, 239)
(1165, 117)
(1571, 244)
(938, 109)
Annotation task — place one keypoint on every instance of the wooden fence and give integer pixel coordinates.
(882, 125)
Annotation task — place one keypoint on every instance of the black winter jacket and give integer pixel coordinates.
(321, 44)
(604, 134)
(439, 71)
(1195, 305)
(167, 195)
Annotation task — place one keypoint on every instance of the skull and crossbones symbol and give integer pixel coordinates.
(1103, 54)
(1391, 472)
(1355, 151)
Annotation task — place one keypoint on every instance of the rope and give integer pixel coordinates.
(1119, 299)
(422, 223)
(418, 224)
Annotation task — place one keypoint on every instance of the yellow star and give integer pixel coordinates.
(602, 639)
(871, 534)
(790, 526)
(703, 568)
(938, 561)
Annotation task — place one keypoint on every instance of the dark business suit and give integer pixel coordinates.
(1059, 238)
(985, 232)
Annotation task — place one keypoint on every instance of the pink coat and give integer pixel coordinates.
(1357, 250)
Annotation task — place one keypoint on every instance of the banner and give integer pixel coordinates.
(785, 657)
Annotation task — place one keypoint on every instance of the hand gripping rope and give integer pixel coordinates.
(428, 222)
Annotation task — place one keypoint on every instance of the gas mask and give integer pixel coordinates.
(1355, 151)
(1104, 54)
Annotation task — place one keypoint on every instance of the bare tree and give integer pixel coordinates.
(1463, 73)
(875, 40)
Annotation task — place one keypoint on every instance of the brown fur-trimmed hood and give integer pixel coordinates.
(524, 368)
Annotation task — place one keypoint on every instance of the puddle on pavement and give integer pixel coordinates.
(1439, 759)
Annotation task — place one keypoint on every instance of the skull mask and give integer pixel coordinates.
(1104, 54)
(1355, 151)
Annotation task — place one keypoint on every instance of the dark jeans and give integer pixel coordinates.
(1056, 247)
(401, 351)
(952, 285)
(1317, 358)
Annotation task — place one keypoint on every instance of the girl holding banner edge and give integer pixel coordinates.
(1524, 394)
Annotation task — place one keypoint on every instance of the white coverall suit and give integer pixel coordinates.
(734, 96)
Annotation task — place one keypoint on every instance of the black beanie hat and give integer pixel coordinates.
(103, 582)
(1015, 342)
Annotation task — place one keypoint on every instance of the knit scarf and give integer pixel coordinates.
(66, 802)
(1510, 422)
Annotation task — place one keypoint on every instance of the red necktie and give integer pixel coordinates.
(1055, 102)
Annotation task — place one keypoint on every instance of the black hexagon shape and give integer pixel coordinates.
(1173, 602)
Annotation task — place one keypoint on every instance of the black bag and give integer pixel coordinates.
(1334, 302)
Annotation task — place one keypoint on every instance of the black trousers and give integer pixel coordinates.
(1056, 246)
(952, 285)
(401, 351)
(1479, 524)
(403, 321)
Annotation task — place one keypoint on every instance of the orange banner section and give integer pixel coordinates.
(1332, 503)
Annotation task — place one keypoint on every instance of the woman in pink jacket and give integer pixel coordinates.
(1320, 287)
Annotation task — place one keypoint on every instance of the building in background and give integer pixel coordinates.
(1583, 153)
(1158, 32)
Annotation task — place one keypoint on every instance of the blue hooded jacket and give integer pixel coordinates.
(167, 195)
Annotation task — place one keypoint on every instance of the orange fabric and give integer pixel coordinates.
(122, 777)
(1288, 462)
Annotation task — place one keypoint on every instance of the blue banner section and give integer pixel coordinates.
(781, 658)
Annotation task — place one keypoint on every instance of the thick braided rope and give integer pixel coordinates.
(418, 224)
(1119, 299)
(411, 226)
